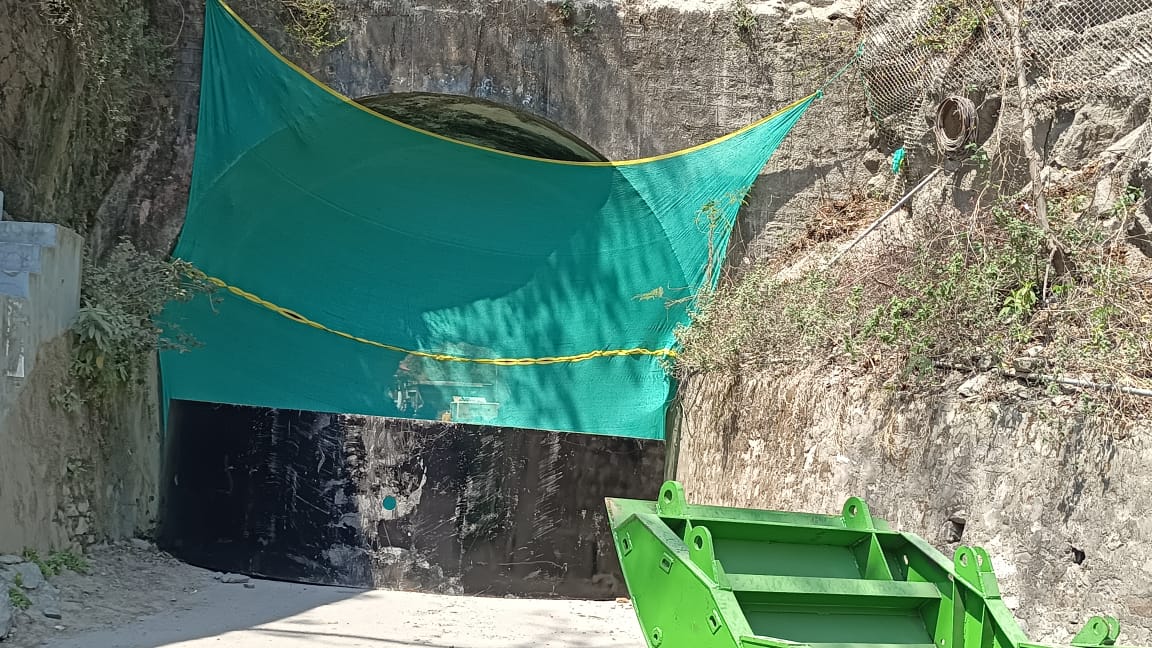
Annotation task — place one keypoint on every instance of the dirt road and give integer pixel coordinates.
(283, 615)
(136, 597)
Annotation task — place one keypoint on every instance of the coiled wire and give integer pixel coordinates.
(956, 125)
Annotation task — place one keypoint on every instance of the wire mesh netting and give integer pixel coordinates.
(916, 52)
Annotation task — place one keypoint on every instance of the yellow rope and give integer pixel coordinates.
(441, 357)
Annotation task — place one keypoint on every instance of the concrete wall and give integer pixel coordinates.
(63, 481)
(1058, 501)
(39, 292)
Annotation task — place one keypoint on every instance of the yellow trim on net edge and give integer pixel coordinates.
(440, 357)
(240, 21)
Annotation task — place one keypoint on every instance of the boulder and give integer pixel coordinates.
(30, 575)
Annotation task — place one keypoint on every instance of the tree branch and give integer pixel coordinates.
(1012, 20)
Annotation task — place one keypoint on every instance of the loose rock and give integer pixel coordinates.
(9, 559)
(234, 579)
(973, 386)
(30, 575)
(1027, 365)
(249, 585)
(47, 601)
(5, 615)
(143, 545)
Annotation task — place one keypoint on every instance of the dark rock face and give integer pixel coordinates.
(362, 501)
(484, 123)
(5, 617)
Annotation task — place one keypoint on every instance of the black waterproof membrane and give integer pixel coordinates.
(353, 500)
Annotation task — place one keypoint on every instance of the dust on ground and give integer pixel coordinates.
(135, 596)
(125, 583)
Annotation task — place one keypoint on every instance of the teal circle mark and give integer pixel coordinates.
(389, 503)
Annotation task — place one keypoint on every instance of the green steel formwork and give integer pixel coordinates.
(715, 577)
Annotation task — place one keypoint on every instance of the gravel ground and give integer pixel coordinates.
(136, 597)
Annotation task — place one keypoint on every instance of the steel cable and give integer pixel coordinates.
(956, 125)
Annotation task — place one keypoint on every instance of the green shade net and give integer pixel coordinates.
(321, 212)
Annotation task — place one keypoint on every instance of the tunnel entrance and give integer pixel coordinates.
(374, 502)
(433, 506)
(485, 123)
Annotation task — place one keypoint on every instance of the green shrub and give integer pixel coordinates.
(18, 598)
(974, 290)
(116, 331)
(312, 23)
(952, 24)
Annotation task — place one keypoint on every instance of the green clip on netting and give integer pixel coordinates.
(373, 268)
(898, 160)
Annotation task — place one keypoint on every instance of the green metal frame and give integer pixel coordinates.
(716, 577)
